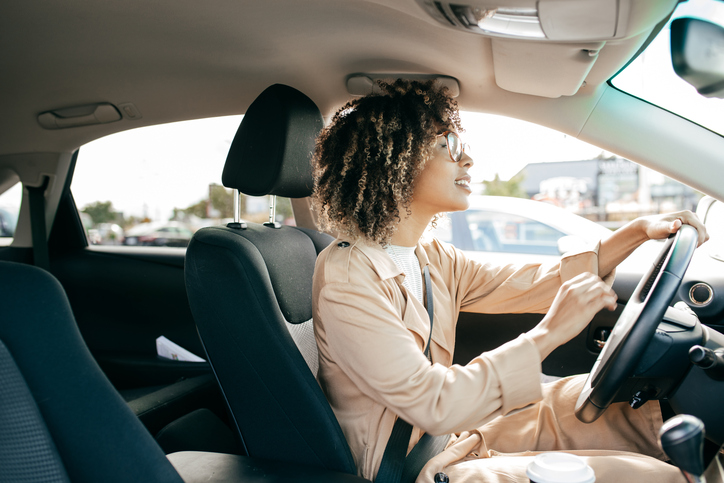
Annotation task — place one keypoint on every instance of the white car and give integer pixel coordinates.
(166, 234)
(501, 224)
(518, 230)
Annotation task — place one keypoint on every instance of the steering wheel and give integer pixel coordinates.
(637, 325)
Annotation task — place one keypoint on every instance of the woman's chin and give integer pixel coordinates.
(462, 206)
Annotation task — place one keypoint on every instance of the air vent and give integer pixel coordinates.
(445, 16)
(700, 294)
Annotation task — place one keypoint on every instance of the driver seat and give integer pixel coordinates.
(250, 292)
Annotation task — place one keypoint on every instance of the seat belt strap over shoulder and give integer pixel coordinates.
(397, 466)
(430, 309)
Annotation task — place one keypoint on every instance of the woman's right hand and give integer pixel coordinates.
(575, 304)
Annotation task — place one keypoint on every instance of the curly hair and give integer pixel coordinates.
(366, 161)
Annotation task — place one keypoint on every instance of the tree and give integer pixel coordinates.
(512, 187)
(101, 212)
(222, 201)
(197, 209)
(219, 204)
(284, 208)
(603, 156)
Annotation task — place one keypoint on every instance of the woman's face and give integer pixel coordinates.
(443, 185)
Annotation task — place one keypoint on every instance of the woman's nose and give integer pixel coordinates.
(466, 160)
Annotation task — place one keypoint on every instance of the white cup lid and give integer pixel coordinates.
(560, 468)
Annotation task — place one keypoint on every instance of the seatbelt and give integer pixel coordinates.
(396, 467)
(424, 450)
(37, 224)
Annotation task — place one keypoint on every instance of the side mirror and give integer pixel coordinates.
(697, 54)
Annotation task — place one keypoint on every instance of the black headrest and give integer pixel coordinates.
(272, 150)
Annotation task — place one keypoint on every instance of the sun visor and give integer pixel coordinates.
(528, 67)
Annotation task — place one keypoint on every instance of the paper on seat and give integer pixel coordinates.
(169, 350)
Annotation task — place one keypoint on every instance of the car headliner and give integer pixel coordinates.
(182, 59)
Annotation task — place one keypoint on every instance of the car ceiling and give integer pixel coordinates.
(187, 59)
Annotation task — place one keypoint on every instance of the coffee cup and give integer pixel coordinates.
(559, 468)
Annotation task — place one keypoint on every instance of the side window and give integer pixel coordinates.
(157, 185)
(532, 186)
(9, 209)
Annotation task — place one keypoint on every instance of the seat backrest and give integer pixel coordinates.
(248, 287)
(60, 418)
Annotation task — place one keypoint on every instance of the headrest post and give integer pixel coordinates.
(273, 213)
(237, 224)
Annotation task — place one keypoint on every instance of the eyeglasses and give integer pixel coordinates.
(455, 147)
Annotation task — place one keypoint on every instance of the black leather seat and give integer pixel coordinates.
(250, 292)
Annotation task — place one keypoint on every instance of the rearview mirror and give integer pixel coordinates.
(697, 54)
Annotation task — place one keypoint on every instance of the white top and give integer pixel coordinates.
(406, 260)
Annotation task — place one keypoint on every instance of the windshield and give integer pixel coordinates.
(651, 76)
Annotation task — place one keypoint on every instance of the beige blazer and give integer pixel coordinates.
(371, 334)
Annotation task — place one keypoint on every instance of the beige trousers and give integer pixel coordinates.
(621, 446)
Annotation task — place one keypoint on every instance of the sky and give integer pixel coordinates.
(150, 171)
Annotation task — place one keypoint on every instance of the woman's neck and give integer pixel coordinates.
(410, 230)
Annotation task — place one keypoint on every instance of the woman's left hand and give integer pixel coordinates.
(657, 227)
(625, 240)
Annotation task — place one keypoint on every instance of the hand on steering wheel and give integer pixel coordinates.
(637, 325)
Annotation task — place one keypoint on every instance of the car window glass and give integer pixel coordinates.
(9, 209)
(714, 222)
(651, 75)
(587, 191)
(157, 185)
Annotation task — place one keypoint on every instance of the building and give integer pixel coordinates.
(606, 189)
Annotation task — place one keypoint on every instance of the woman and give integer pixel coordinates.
(386, 166)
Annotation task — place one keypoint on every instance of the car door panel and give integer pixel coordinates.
(123, 299)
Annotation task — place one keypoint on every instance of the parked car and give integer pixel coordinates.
(106, 234)
(522, 231)
(517, 225)
(160, 234)
(76, 72)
